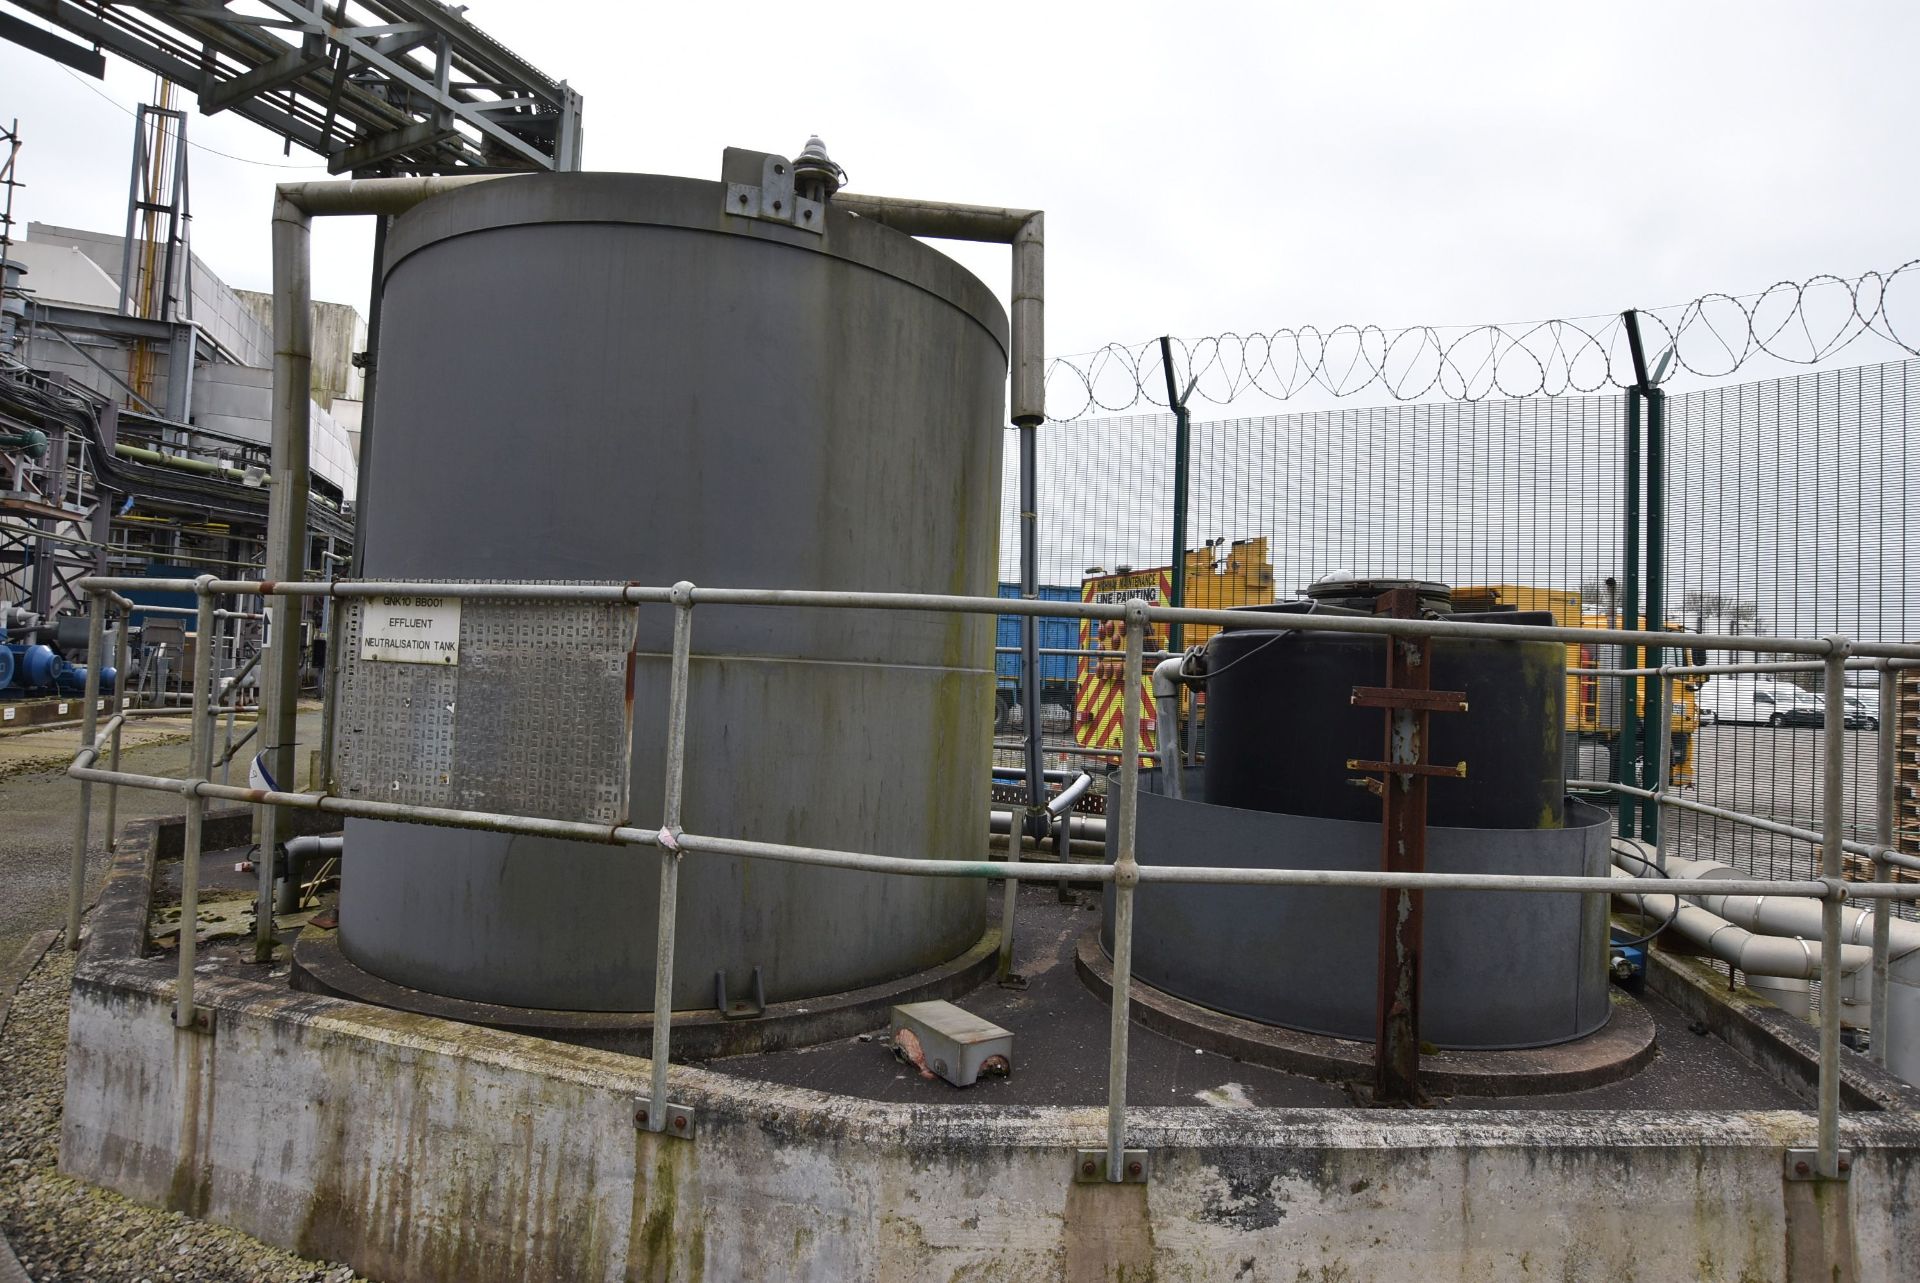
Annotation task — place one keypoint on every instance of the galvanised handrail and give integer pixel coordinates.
(1125, 873)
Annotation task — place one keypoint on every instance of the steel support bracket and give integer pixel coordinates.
(760, 185)
(679, 1119)
(1799, 1164)
(740, 1008)
(203, 1019)
(1090, 1167)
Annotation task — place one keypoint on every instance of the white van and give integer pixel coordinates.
(1759, 700)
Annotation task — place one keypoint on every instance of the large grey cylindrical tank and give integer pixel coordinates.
(598, 376)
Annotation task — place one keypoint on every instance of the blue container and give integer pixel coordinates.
(1055, 634)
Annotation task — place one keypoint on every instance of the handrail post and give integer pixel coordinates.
(203, 724)
(1884, 777)
(1832, 865)
(89, 724)
(1662, 765)
(670, 854)
(1126, 877)
(119, 704)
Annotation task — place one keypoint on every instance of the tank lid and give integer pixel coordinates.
(1342, 589)
(687, 204)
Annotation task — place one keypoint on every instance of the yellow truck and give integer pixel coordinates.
(1593, 703)
(1243, 576)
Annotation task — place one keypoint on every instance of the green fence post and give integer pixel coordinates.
(1627, 738)
(1653, 765)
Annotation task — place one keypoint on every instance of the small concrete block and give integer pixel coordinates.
(940, 1038)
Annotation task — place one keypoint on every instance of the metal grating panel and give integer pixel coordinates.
(535, 718)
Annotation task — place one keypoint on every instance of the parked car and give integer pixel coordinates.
(1759, 701)
(1860, 715)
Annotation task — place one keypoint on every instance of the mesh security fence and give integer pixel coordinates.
(1786, 511)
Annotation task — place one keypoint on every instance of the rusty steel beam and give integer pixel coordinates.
(1409, 700)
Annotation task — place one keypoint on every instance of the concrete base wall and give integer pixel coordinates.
(419, 1149)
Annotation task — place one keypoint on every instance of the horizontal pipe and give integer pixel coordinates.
(1063, 801)
(160, 458)
(944, 604)
(373, 195)
(1091, 827)
(1759, 955)
(1786, 916)
(940, 220)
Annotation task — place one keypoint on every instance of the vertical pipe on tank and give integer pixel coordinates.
(1029, 632)
(369, 386)
(294, 205)
(286, 535)
(1028, 412)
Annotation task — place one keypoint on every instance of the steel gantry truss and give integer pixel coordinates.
(374, 86)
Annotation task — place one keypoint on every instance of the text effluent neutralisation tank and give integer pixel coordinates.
(610, 377)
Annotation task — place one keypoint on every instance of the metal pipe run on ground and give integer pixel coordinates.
(1740, 947)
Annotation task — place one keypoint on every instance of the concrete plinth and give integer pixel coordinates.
(421, 1149)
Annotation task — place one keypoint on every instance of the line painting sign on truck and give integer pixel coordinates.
(1112, 590)
(410, 630)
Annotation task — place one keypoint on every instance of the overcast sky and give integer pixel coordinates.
(1204, 168)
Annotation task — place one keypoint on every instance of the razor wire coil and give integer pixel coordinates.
(1713, 336)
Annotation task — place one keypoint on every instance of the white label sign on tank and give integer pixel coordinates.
(404, 629)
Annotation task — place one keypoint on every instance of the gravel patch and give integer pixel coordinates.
(62, 1229)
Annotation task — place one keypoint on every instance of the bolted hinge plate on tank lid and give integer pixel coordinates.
(760, 185)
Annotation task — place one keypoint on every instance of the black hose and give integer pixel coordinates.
(1673, 917)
